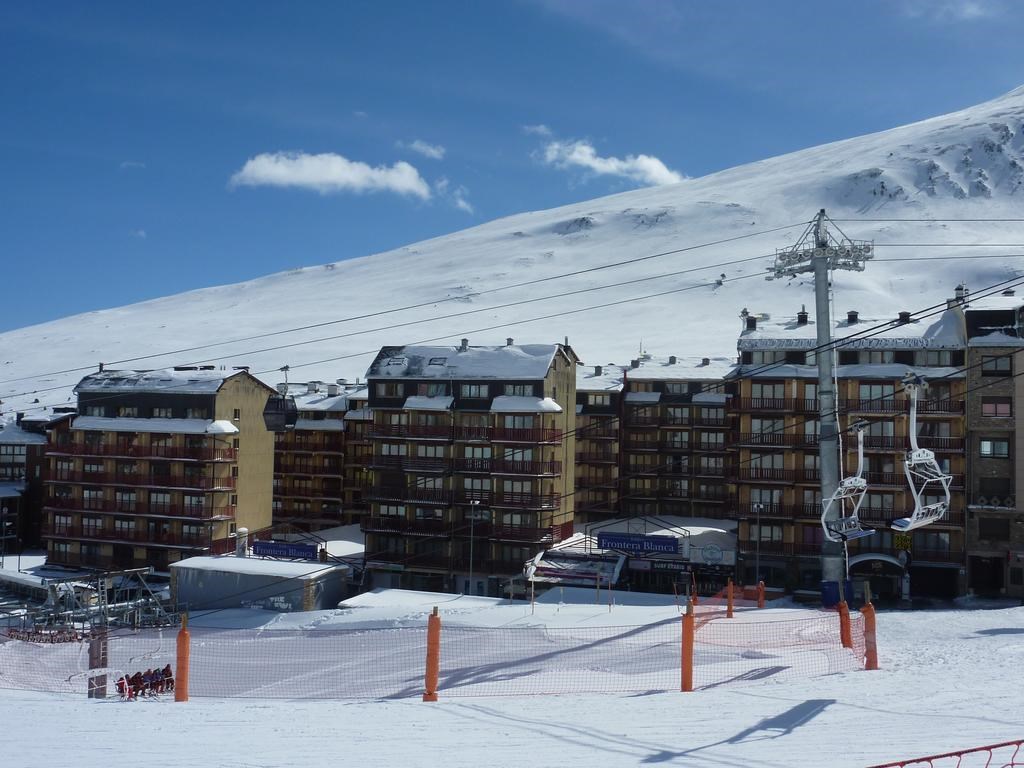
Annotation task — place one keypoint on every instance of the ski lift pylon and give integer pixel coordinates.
(924, 475)
(848, 495)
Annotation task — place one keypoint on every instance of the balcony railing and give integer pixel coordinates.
(764, 404)
(526, 435)
(133, 535)
(393, 524)
(596, 457)
(766, 474)
(201, 483)
(421, 431)
(410, 493)
(780, 439)
(768, 510)
(597, 431)
(135, 451)
(412, 463)
(156, 509)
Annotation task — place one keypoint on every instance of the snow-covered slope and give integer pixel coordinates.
(966, 165)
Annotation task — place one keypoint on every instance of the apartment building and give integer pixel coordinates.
(158, 466)
(22, 458)
(598, 442)
(472, 464)
(309, 460)
(776, 480)
(995, 523)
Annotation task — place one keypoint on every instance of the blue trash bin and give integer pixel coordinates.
(829, 594)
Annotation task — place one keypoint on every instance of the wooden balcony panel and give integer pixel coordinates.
(526, 435)
(748, 404)
(766, 474)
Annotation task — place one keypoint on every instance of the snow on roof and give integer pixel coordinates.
(609, 380)
(188, 382)
(516, 404)
(257, 566)
(994, 339)
(643, 397)
(684, 368)
(169, 426)
(13, 434)
(523, 361)
(424, 403)
(998, 302)
(320, 425)
(11, 490)
(320, 401)
(359, 414)
(944, 332)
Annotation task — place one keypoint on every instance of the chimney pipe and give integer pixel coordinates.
(101, 367)
(705, 361)
(751, 323)
(332, 390)
(312, 387)
(801, 316)
(672, 360)
(464, 346)
(598, 370)
(508, 342)
(1009, 292)
(18, 417)
(852, 317)
(904, 318)
(634, 363)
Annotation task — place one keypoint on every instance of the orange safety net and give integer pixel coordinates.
(1009, 754)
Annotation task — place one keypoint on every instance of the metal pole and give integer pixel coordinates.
(472, 521)
(828, 434)
(757, 546)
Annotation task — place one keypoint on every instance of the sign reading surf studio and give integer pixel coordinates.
(637, 544)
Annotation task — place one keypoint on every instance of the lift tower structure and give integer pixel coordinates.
(819, 252)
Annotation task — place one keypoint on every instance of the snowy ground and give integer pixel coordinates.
(949, 680)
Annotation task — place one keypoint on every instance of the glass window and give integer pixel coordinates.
(599, 399)
(996, 365)
(474, 390)
(390, 389)
(995, 449)
(997, 406)
(162, 413)
(519, 390)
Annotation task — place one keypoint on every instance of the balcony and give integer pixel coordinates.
(670, 493)
(679, 446)
(127, 535)
(412, 431)
(710, 421)
(769, 510)
(410, 493)
(394, 524)
(808, 475)
(766, 474)
(748, 404)
(597, 431)
(154, 509)
(596, 457)
(886, 479)
(526, 435)
(642, 420)
(472, 433)
(134, 451)
(750, 547)
(535, 468)
(411, 463)
(187, 482)
(710, 470)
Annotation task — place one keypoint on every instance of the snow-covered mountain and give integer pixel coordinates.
(543, 276)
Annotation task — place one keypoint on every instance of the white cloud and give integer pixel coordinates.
(131, 164)
(433, 151)
(139, 233)
(457, 196)
(360, 114)
(952, 10)
(329, 172)
(537, 130)
(645, 169)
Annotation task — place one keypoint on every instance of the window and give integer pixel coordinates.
(479, 391)
(124, 527)
(997, 406)
(92, 499)
(766, 532)
(769, 390)
(767, 460)
(877, 356)
(95, 410)
(193, 501)
(477, 451)
(162, 413)
(196, 413)
(429, 513)
(392, 510)
(519, 454)
(390, 389)
(879, 501)
(431, 389)
(477, 485)
(125, 501)
(518, 421)
(1016, 576)
(996, 365)
(676, 388)
(519, 390)
(765, 496)
(712, 440)
(91, 467)
(127, 411)
(516, 486)
(931, 541)
(438, 361)
(994, 528)
(935, 357)
(236, 414)
(677, 440)
(767, 426)
(430, 451)
(92, 526)
(765, 357)
(876, 393)
(599, 399)
(159, 501)
(995, 449)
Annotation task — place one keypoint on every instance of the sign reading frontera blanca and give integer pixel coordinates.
(283, 549)
(631, 542)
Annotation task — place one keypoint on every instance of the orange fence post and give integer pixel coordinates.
(728, 599)
(689, 634)
(760, 594)
(870, 642)
(845, 634)
(433, 656)
(183, 651)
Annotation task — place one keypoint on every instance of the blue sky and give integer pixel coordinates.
(152, 148)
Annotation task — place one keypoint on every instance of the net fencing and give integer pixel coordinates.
(379, 663)
(1009, 754)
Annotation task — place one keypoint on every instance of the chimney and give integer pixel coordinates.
(508, 342)
(705, 361)
(332, 390)
(312, 387)
(851, 317)
(634, 363)
(672, 360)
(751, 324)
(101, 367)
(18, 417)
(341, 382)
(598, 370)
(801, 316)
(464, 346)
(960, 294)
(904, 318)
(1009, 292)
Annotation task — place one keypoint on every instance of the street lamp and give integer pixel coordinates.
(474, 504)
(757, 545)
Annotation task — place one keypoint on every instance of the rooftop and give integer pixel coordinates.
(681, 368)
(12, 434)
(944, 331)
(525, 361)
(187, 382)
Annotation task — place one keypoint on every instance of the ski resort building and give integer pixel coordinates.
(598, 442)
(310, 492)
(158, 466)
(472, 463)
(775, 459)
(995, 523)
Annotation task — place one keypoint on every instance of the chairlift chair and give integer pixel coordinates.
(848, 495)
(922, 471)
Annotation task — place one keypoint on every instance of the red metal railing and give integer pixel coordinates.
(1008, 754)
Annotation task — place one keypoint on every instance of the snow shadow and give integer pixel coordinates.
(1001, 631)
